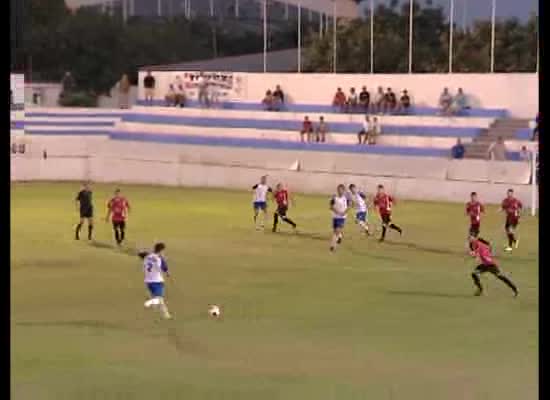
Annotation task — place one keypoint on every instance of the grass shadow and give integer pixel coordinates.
(426, 249)
(412, 293)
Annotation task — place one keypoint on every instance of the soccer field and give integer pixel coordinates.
(376, 321)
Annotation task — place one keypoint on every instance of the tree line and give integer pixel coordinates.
(98, 48)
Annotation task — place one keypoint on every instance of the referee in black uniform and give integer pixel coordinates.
(84, 203)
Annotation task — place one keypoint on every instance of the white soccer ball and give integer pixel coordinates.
(214, 311)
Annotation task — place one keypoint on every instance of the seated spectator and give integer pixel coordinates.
(458, 150)
(321, 131)
(279, 95)
(365, 131)
(352, 100)
(379, 100)
(268, 101)
(339, 99)
(524, 154)
(364, 99)
(180, 92)
(390, 102)
(405, 103)
(376, 131)
(170, 97)
(459, 102)
(497, 151)
(445, 102)
(307, 130)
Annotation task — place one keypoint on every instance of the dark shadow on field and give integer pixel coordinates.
(433, 250)
(181, 344)
(128, 250)
(306, 235)
(429, 294)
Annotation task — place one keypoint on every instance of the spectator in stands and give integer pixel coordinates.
(404, 103)
(364, 99)
(202, 85)
(268, 101)
(171, 96)
(497, 151)
(365, 131)
(376, 131)
(181, 98)
(352, 100)
(379, 100)
(524, 154)
(124, 92)
(68, 83)
(459, 103)
(458, 150)
(321, 131)
(339, 100)
(445, 102)
(307, 130)
(149, 85)
(390, 102)
(279, 95)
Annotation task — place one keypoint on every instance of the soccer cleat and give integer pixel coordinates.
(516, 293)
(508, 249)
(339, 241)
(332, 248)
(478, 292)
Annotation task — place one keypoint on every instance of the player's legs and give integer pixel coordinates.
(116, 231)
(480, 269)
(79, 228)
(264, 216)
(122, 230)
(387, 223)
(156, 289)
(275, 221)
(282, 213)
(503, 278)
(473, 232)
(361, 219)
(338, 232)
(510, 228)
(90, 227)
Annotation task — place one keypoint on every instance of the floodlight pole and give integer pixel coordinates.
(411, 21)
(493, 34)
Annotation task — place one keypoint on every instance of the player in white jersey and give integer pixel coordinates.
(260, 201)
(359, 200)
(154, 269)
(338, 205)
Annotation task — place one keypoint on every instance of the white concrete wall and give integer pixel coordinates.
(103, 169)
(515, 92)
(103, 160)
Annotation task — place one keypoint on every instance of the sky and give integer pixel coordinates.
(470, 10)
(465, 10)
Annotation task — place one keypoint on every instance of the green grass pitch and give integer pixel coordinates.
(374, 321)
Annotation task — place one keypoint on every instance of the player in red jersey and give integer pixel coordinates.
(118, 209)
(512, 207)
(282, 197)
(474, 209)
(482, 249)
(384, 202)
